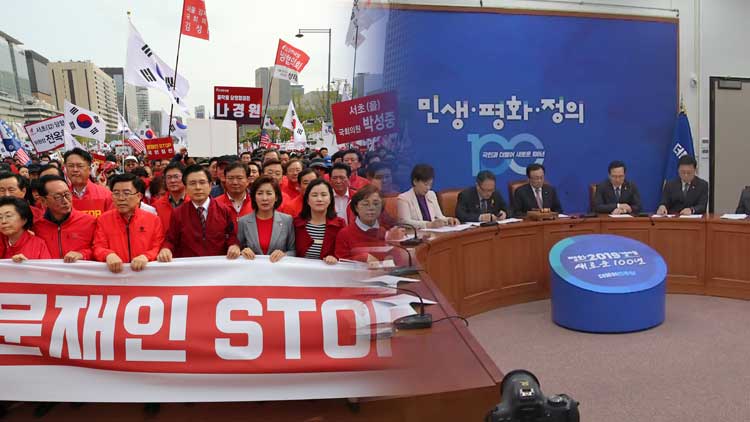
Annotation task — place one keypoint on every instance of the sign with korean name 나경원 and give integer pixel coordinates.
(159, 148)
(365, 117)
(47, 135)
(241, 104)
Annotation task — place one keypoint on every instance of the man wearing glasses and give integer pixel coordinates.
(481, 202)
(88, 197)
(175, 193)
(127, 234)
(68, 233)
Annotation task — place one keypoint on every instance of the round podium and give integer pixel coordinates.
(607, 284)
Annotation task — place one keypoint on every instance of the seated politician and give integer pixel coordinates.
(536, 194)
(617, 195)
(419, 206)
(687, 194)
(481, 202)
(744, 206)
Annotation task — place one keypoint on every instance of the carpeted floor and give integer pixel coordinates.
(694, 367)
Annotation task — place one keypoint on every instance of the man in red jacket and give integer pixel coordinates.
(294, 206)
(200, 227)
(175, 193)
(88, 197)
(353, 159)
(69, 233)
(127, 233)
(236, 198)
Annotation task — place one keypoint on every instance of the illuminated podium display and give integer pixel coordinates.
(607, 284)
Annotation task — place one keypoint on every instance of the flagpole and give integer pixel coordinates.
(268, 99)
(176, 64)
(356, 41)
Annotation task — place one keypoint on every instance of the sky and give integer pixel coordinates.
(244, 35)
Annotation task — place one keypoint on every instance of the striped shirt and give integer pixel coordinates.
(317, 232)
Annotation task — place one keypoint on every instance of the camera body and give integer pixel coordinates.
(523, 401)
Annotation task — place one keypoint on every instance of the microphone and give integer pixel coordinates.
(413, 322)
(404, 271)
(416, 241)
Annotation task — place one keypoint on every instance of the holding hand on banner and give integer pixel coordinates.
(277, 255)
(139, 263)
(72, 257)
(114, 263)
(19, 258)
(233, 252)
(248, 253)
(165, 255)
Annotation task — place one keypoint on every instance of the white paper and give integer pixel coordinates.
(407, 236)
(563, 216)
(510, 220)
(390, 280)
(734, 216)
(403, 299)
(662, 216)
(381, 265)
(692, 216)
(448, 229)
(621, 216)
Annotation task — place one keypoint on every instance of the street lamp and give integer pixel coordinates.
(301, 33)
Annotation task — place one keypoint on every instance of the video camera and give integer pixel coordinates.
(523, 401)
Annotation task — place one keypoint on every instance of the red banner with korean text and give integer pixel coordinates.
(365, 117)
(159, 148)
(197, 329)
(289, 62)
(194, 19)
(242, 104)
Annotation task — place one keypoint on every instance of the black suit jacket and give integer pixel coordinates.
(606, 201)
(744, 206)
(467, 205)
(525, 201)
(696, 197)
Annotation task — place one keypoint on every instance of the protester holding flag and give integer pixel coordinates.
(200, 227)
(127, 233)
(88, 197)
(266, 231)
(317, 226)
(236, 199)
(69, 233)
(16, 220)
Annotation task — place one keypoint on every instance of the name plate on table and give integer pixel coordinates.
(607, 283)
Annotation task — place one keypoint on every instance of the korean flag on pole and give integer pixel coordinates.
(144, 68)
(292, 122)
(82, 122)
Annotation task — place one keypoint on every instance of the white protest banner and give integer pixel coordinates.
(48, 134)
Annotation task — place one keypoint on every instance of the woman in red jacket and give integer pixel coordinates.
(317, 226)
(365, 239)
(15, 221)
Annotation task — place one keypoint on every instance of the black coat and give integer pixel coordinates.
(468, 209)
(696, 197)
(525, 201)
(606, 201)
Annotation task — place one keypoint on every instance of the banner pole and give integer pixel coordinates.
(268, 99)
(176, 64)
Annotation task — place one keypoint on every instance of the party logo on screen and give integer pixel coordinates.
(497, 154)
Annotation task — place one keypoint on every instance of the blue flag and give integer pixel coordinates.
(682, 144)
(11, 142)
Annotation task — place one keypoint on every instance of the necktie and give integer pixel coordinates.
(617, 194)
(483, 206)
(684, 189)
(202, 216)
(538, 195)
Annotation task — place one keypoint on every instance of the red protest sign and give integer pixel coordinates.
(159, 148)
(365, 117)
(241, 104)
(194, 19)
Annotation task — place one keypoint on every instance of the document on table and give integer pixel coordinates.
(734, 216)
(692, 216)
(448, 229)
(509, 220)
(563, 216)
(389, 280)
(621, 216)
(662, 216)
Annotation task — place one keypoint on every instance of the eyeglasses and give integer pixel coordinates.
(62, 197)
(123, 194)
(368, 204)
(174, 177)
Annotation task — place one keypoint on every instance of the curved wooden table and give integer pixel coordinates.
(485, 268)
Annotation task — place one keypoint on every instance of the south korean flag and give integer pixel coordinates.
(292, 122)
(144, 68)
(82, 122)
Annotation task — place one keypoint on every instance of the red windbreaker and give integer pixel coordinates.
(32, 247)
(226, 201)
(304, 241)
(75, 233)
(142, 235)
(95, 201)
(164, 210)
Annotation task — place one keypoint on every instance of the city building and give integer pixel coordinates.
(280, 89)
(127, 103)
(143, 106)
(200, 112)
(41, 86)
(35, 110)
(15, 87)
(86, 85)
(367, 84)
